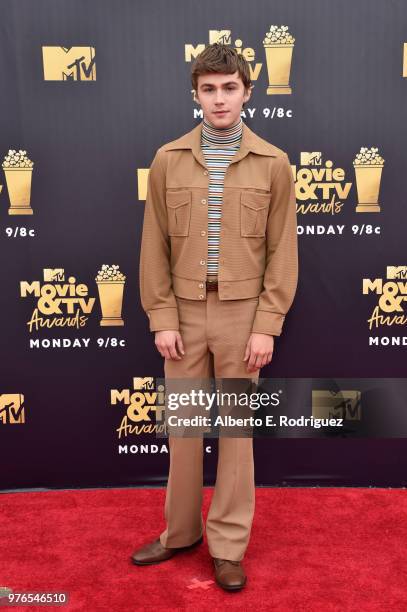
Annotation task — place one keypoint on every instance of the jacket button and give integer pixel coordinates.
(200, 285)
(202, 262)
(203, 233)
(203, 201)
(201, 297)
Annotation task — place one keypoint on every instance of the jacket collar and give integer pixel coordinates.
(249, 142)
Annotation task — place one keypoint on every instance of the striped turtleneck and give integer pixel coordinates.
(218, 145)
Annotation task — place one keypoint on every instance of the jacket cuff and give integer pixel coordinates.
(163, 318)
(266, 322)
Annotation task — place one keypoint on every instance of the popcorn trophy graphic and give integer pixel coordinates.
(368, 170)
(110, 284)
(18, 171)
(278, 45)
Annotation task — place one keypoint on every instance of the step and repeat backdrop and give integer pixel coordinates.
(89, 91)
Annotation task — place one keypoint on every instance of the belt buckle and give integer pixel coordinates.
(211, 285)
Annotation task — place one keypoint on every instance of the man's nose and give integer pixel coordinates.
(219, 97)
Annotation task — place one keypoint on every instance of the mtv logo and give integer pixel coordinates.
(69, 63)
(345, 404)
(223, 37)
(396, 272)
(313, 158)
(12, 408)
(51, 275)
(143, 383)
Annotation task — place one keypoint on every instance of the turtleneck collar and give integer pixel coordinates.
(216, 137)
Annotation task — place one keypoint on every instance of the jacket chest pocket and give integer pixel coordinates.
(254, 209)
(178, 212)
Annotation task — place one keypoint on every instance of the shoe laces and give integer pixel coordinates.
(222, 561)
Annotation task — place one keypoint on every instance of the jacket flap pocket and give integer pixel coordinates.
(254, 200)
(174, 199)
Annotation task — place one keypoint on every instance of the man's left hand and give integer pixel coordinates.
(259, 351)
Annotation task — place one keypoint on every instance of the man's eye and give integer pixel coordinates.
(228, 88)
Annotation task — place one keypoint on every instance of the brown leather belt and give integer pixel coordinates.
(211, 285)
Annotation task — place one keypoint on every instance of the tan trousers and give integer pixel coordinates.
(214, 335)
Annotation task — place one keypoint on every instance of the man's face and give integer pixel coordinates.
(221, 97)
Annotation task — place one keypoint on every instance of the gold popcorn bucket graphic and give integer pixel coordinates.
(111, 301)
(19, 189)
(278, 58)
(368, 177)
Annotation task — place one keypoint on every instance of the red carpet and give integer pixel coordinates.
(311, 549)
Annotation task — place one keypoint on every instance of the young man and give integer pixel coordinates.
(218, 273)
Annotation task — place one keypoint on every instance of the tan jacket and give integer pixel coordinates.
(258, 253)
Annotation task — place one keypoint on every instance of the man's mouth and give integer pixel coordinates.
(221, 112)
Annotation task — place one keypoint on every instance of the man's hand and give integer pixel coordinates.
(259, 351)
(167, 342)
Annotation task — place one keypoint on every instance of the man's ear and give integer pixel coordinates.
(248, 92)
(194, 96)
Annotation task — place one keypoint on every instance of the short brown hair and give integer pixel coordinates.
(219, 58)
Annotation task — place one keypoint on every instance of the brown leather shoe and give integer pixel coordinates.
(229, 574)
(155, 552)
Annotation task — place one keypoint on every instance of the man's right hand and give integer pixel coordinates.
(167, 342)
